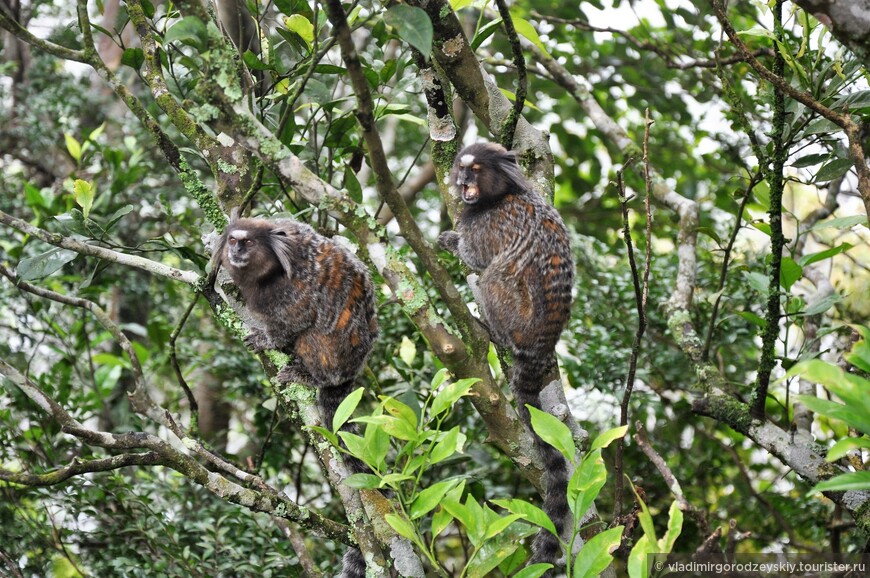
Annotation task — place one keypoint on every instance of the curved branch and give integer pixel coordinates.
(78, 468)
(134, 261)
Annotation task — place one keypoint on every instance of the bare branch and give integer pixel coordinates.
(77, 468)
(134, 261)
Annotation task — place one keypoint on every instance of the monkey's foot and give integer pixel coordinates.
(294, 373)
(257, 340)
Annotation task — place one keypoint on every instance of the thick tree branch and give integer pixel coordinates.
(134, 261)
(796, 449)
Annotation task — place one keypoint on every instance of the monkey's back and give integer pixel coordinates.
(523, 250)
(322, 311)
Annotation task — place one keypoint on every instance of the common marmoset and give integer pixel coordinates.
(520, 246)
(315, 301)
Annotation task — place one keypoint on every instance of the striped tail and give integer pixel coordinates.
(328, 400)
(529, 372)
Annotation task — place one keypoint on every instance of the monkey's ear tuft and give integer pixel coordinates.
(283, 248)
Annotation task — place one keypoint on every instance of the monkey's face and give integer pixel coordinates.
(465, 178)
(249, 252)
(484, 173)
(239, 248)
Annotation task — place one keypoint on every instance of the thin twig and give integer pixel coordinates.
(670, 480)
(173, 359)
(738, 224)
(134, 261)
(510, 126)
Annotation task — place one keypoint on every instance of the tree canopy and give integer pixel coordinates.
(709, 160)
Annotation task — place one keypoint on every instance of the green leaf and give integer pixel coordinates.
(450, 393)
(402, 527)
(826, 254)
(44, 264)
(586, 483)
(301, 26)
(440, 520)
(524, 28)
(330, 437)
(841, 223)
(189, 30)
(346, 408)
(757, 281)
(809, 160)
(407, 350)
(596, 555)
(496, 549)
(637, 558)
(553, 431)
(859, 356)
(844, 483)
(789, 273)
(833, 169)
(429, 498)
(529, 512)
(400, 411)
(606, 438)
(498, 525)
(355, 444)
(842, 447)
(485, 32)
(84, 193)
(353, 186)
(452, 442)
(675, 527)
(412, 24)
(822, 305)
(362, 481)
(253, 61)
(133, 57)
(533, 571)
(753, 318)
(73, 147)
(460, 4)
(858, 420)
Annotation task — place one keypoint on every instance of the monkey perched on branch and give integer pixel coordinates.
(314, 300)
(520, 246)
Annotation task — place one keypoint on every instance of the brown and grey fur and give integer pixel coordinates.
(314, 301)
(518, 243)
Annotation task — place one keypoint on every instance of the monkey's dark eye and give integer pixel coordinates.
(249, 243)
(231, 241)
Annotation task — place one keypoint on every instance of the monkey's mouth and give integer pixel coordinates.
(238, 261)
(470, 194)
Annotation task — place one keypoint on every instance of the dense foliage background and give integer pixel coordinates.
(136, 126)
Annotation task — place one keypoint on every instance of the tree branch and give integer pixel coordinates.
(77, 468)
(136, 262)
(266, 500)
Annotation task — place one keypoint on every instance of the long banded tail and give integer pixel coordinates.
(526, 382)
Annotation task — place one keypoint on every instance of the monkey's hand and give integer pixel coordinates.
(257, 340)
(449, 241)
(295, 372)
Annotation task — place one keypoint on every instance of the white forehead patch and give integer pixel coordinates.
(466, 160)
(239, 234)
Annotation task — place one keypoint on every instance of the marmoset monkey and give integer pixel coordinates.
(315, 301)
(520, 246)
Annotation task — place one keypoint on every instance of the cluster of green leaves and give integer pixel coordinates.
(853, 409)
